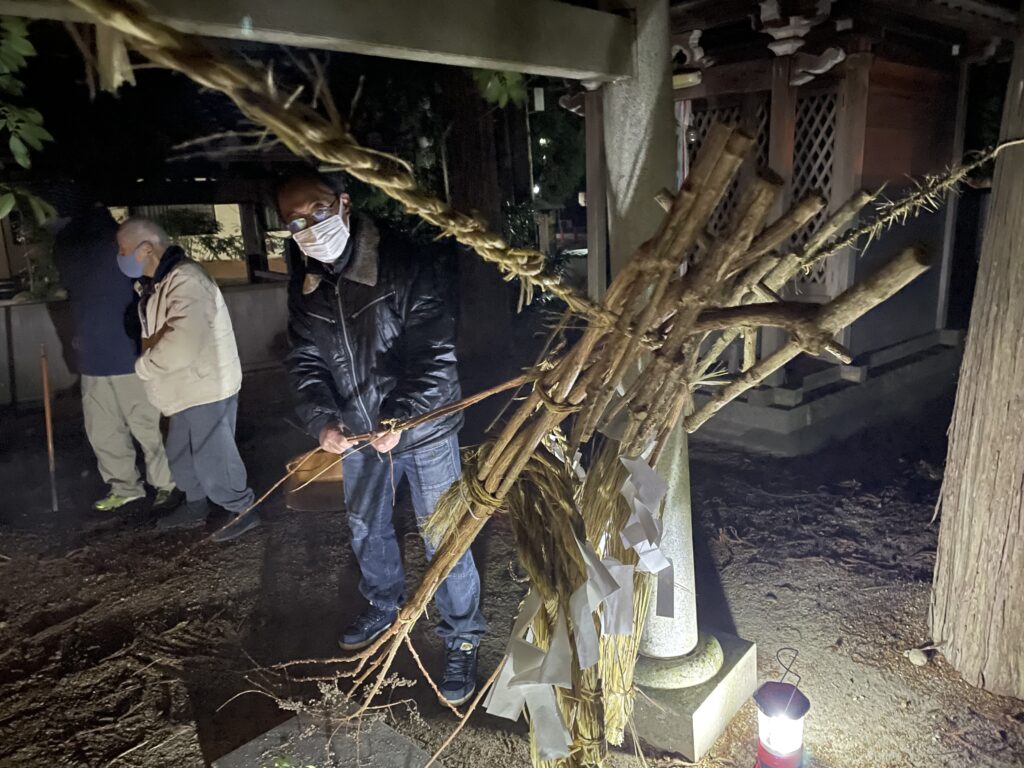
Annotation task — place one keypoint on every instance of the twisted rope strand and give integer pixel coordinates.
(306, 132)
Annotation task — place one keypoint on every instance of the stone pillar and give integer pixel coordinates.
(639, 136)
(640, 145)
(666, 638)
(695, 683)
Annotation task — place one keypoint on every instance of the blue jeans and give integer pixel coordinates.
(430, 469)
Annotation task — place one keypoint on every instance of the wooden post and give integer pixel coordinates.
(781, 142)
(48, 417)
(252, 239)
(848, 164)
(597, 196)
(952, 201)
(748, 122)
(782, 132)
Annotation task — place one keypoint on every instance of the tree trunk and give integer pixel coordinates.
(977, 604)
(485, 300)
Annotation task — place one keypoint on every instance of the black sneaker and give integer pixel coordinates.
(238, 525)
(459, 682)
(191, 515)
(371, 624)
(166, 501)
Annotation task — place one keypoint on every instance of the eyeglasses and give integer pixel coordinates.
(300, 223)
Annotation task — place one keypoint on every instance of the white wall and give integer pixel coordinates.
(259, 314)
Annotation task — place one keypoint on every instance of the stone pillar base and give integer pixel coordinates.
(687, 721)
(698, 666)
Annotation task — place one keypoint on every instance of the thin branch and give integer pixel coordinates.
(465, 718)
(430, 680)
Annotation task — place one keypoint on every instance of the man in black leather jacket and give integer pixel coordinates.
(373, 339)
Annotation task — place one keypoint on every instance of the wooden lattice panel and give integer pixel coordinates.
(813, 165)
(701, 121)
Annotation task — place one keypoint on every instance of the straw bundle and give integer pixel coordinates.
(605, 513)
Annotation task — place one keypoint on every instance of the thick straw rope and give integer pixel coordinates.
(306, 132)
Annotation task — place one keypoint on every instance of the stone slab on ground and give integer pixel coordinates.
(687, 721)
(311, 741)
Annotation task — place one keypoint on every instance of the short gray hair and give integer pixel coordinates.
(142, 230)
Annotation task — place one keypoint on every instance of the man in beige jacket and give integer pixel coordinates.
(189, 366)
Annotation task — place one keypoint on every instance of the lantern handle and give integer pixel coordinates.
(787, 667)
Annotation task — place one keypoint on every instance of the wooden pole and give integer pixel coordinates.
(597, 196)
(832, 318)
(48, 416)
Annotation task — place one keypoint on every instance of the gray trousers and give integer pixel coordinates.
(204, 457)
(115, 409)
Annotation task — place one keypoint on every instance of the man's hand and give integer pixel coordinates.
(333, 441)
(385, 441)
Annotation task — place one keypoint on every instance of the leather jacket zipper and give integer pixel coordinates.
(351, 357)
(379, 299)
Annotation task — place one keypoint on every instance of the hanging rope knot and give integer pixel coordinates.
(555, 406)
(391, 426)
(478, 494)
(528, 263)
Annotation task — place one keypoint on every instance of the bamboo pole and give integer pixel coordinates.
(48, 416)
(749, 349)
(832, 318)
(768, 275)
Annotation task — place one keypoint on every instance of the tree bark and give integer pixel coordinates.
(485, 299)
(977, 603)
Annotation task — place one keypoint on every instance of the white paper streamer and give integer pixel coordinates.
(617, 612)
(529, 677)
(644, 490)
(584, 601)
(553, 740)
(502, 700)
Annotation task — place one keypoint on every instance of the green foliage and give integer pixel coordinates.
(198, 232)
(23, 125)
(398, 113)
(378, 206)
(500, 88)
(214, 247)
(182, 221)
(12, 197)
(519, 224)
(559, 154)
(40, 276)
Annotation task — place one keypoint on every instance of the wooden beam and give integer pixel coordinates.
(541, 37)
(597, 196)
(952, 201)
(687, 15)
(984, 19)
(741, 77)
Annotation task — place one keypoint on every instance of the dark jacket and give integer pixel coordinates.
(373, 338)
(85, 252)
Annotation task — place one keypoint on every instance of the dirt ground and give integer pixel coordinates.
(122, 646)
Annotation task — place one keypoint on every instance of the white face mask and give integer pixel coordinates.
(325, 241)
